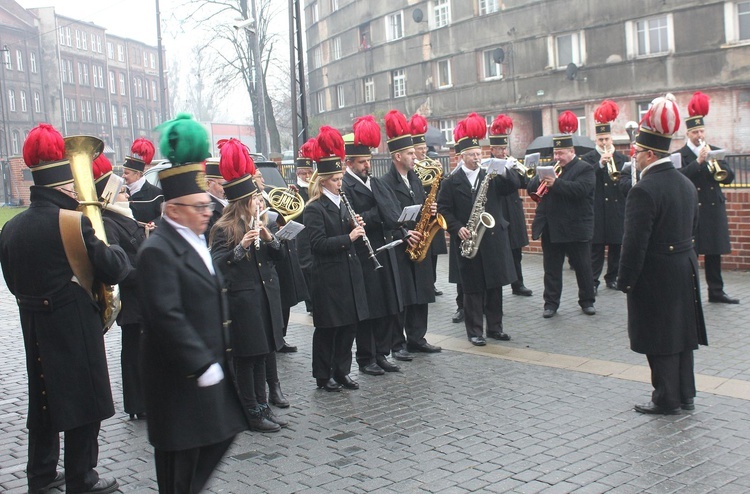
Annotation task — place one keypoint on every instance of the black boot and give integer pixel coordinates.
(276, 397)
(268, 414)
(258, 421)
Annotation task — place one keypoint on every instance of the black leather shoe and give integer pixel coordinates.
(328, 384)
(287, 348)
(498, 335)
(523, 291)
(688, 404)
(387, 366)
(403, 355)
(371, 370)
(549, 313)
(268, 413)
(423, 348)
(612, 285)
(478, 341)
(347, 382)
(651, 409)
(258, 422)
(589, 311)
(56, 482)
(276, 397)
(103, 486)
(437, 292)
(458, 316)
(723, 299)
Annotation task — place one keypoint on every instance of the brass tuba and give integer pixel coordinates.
(286, 202)
(82, 151)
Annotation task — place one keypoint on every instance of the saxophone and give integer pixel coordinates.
(479, 220)
(428, 225)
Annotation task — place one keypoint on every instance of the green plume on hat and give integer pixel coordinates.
(183, 140)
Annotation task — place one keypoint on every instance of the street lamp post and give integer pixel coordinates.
(260, 90)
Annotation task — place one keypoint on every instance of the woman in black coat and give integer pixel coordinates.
(244, 249)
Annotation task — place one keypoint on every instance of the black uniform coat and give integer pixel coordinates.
(254, 296)
(218, 211)
(512, 208)
(291, 277)
(65, 357)
(129, 235)
(658, 264)
(712, 237)
(417, 279)
(493, 265)
(186, 329)
(568, 207)
(338, 290)
(303, 238)
(609, 201)
(383, 286)
(146, 203)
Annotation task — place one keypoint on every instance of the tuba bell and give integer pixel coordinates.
(82, 151)
(286, 202)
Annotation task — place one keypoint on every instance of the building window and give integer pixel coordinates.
(112, 85)
(124, 116)
(340, 97)
(491, 70)
(100, 71)
(334, 5)
(145, 59)
(15, 142)
(93, 42)
(61, 33)
(98, 109)
(141, 120)
(37, 102)
(648, 37)
(568, 49)
(110, 50)
(8, 60)
(120, 53)
(68, 37)
(321, 102)
(488, 6)
(24, 105)
(364, 36)
(19, 60)
(145, 90)
(95, 75)
(70, 72)
(84, 43)
(743, 20)
(78, 39)
(442, 12)
(114, 115)
(399, 83)
(317, 57)
(122, 84)
(642, 108)
(32, 62)
(737, 21)
(444, 74)
(336, 48)
(394, 26)
(98, 43)
(88, 111)
(86, 74)
(446, 128)
(73, 110)
(314, 13)
(152, 60)
(369, 89)
(11, 100)
(153, 90)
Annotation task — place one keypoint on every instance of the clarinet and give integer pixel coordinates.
(364, 236)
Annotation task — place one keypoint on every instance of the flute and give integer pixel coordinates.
(364, 236)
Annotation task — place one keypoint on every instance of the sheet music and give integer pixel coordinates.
(676, 160)
(389, 245)
(545, 172)
(531, 160)
(410, 213)
(716, 154)
(495, 165)
(290, 230)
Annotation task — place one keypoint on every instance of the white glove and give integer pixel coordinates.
(213, 375)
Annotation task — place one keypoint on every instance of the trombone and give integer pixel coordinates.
(714, 168)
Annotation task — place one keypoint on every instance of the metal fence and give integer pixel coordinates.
(740, 164)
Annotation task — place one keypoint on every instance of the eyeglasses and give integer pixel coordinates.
(199, 208)
(641, 151)
(71, 192)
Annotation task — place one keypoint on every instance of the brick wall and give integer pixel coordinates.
(19, 186)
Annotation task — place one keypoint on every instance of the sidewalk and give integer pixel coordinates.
(549, 411)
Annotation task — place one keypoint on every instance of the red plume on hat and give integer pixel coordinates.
(698, 104)
(144, 149)
(310, 150)
(235, 161)
(475, 126)
(44, 144)
(567, 122)
(502, 125)
(664, 115)
(101, 166)
(396, 124)
(459, 131)
(606, 112)
(366, 132)
(331, 143)
(417, 124)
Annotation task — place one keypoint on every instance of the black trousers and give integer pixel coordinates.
(132, 380)
(673, 379)
(517, 255)
(374, 337)
(272, 369)
(459, 296)
(477, 306)
(285, 312)
(251, 380)
(714, 281)
(597, 262)
(553, 260)
(332, 351)
(187, 471)
(81, 456)
(413, 320)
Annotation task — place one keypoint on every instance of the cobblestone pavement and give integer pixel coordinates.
(549, 411)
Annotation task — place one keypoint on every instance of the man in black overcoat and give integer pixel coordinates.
(214, 181)
(564, 220)
(659, 273)
(483, 276)
(145, 199)
(377, 205)
(304, 171)
(69, 391)
(193, 410)
(712, 238)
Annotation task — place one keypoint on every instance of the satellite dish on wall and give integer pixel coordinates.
(571, 71)
(498, 55)
(417, 15)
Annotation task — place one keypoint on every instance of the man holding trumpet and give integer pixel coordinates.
(712, 237)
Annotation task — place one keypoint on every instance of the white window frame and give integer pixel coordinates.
(441, 13)
(84, 41)
(114, 116)
(124, 116)
(73, 110)
(98, 112)
(15, 142)
(487, 58)
(488, 6)
(24, 103)
(314, 13)
(8, 60)
(110, 50)
(68, 37)
(394, 26)
(336, 47)
(631, 37)
(578, 49)
(98, 43)
(153, 90)
(641, 107)
(37, 102)
(120, 53)
(334, 5)
(321, 100)
(369, 89)
(152, 60)
(732, 22)
(341, 96)
(446, 127)
(61, 32)
(122, 84)
(32, 62)
(19, 60)
(441, 84)
(317, 59)
(78, 39)
(112, 83)
(398, 81)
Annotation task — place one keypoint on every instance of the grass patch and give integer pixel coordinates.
(8, 212)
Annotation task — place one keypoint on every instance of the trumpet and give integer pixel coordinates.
(614, 173)
(520, 168)
(542, 190)
(714, 167)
